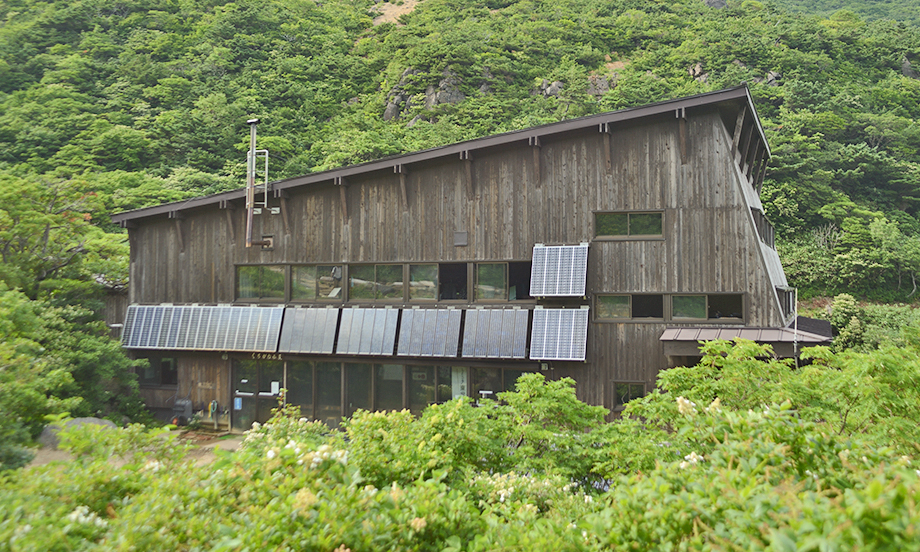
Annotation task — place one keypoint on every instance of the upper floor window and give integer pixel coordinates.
(707, 307)
(383, 282)
(316, 282)
(423, 282)
(681, 307)
(502, 281)
(618, 225)
(263, 282)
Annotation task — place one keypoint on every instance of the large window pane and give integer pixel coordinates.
(300, 387)
(626, 392)
(726, 306)
(388, 388)
(271, 377)
(491, 281)
(452, 281)
(329, 282)
(329, 393)
(446, 384)
(688, 306)
(272, 285)
(358, 388)
(487, 382)
(247, 282)
(389, 282)
(511, 377)
(361, 282)
(303, 283)
(613, 306)
(647, 306)
(245, 376)
(423, 281)
(422, 390)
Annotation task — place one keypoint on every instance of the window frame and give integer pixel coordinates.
(617, 405)
(386, 300)
(668, 309)
(317, 297)
(156, 364)
(629, 236)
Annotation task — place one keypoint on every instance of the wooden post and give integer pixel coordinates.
(402, 172)
(468, 167)
(177, 219)
(739, 124)
(228, 211)
(534, 142)
(283, 196)
(682, 124)
(340, 182)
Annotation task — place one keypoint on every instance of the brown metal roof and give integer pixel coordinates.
(739, 93)
(760, 335)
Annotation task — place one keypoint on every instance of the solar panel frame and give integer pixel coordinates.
(559, 270)
(559, 334)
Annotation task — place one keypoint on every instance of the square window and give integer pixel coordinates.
(626, 391)
(612, 307)
(423, 281)
(491, 281)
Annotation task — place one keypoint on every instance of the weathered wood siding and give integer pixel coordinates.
(709, 242)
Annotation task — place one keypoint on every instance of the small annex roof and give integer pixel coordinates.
(760, 335)
(463, 150)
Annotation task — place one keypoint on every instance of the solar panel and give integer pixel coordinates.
(308, 330)
(559, 334)
(429, 333)
(202, 328)
(495, 333)
(367, 331)
(559, 270)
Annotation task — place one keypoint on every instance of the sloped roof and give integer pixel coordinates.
(731, 97)
(760, 335)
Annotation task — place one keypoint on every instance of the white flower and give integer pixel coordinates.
(152, 465)
(588, 499)
(686, 407)
(256, 425)
(689, 460)
(270, 454)
(714, 406)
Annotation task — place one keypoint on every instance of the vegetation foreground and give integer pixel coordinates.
(828, 468)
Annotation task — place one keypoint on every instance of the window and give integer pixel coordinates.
(764, 228)
(612, 307)
(707, 307)
(787, 296)
(502, 281)
(316, 282)
(627, 224)
(423, 282)
(159, 371)
(260, 282)
(375, 282)
(627, 391)
(647, 306)
(452, 281)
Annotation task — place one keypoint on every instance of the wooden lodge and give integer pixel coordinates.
(583, 248)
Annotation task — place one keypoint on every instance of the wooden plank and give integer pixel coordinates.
(739, 125)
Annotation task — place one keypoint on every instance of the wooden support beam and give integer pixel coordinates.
(605, 129)
(468, 172)
(228, 211)
(340, 182)
(177, 219)
(534, 142)
(761, 173)
(682, 131)
(739, 125)
(402, 172)
(745, 150)
(285, 215)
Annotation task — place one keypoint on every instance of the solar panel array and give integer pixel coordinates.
(559, 334)
(495, 333)
(202, 328)
(367, 332)
(559, 270)
(429, 333)
(308, 330)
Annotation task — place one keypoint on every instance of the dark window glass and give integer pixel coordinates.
(358, 388)
(487, 382)
(519, 281)
(452, 281)
(511, 377)
(626, 392)
(159, 371)
(726, 306)
(329, 393)
(300, 387)
(445, 384)
(388, 387)
(271, 378)
(627, 224)
(422, 388)
(688, 307)
(246, 376)
(647, 306)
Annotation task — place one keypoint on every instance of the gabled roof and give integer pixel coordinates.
(733, 99)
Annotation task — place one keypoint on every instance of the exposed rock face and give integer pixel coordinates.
(907, 70)
(49, 436)
(698, 74)
(598, 85)
(398, 100)
(549, 88)
(447, 92)
(485, 87)
(717, 4)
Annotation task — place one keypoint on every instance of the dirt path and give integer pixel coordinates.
(390, 11)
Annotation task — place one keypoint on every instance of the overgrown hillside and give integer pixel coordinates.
(108, 105)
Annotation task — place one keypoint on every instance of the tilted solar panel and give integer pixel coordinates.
(559, 334)
(559, 270)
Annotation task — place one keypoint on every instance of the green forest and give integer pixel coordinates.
(111, 105)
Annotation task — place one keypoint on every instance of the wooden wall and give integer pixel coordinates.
(519, 197)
